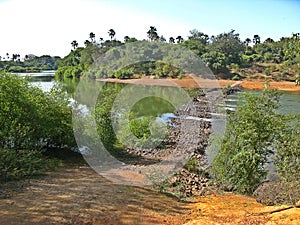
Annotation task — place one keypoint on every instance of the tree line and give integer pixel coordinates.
(30, 63)
(225, 54)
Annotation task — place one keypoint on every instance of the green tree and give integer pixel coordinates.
(86, 43)
(179, 39)
(126, 38)
(247, 41)
(74, 44)
(111, 33)
(288, 151)
(216, 61)
(230, 45)
(200, 36)
(171, 40)
(197, 46)
(248, 142)
(152, 34)
(92, 37)
(256, 39)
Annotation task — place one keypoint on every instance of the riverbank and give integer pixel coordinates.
(246, 84)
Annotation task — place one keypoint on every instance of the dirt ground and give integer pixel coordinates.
(206, 83)
(78, 195)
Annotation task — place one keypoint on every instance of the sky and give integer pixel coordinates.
(47, 27)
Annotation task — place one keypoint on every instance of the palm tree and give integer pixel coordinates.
(152, 34)
(179, 39)
(14, 57)
(296, 36)
(92, 37)
(256, 39)
(74, 44)
(247, 41)
(111, 33)
(86, 43)
(126, 38)
(172, 40)
(162, 39)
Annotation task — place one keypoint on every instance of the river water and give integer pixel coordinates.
(290, 102)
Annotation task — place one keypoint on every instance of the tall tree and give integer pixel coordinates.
(230, 45)
(152, 34)
(92, 37)
(296, 36)
(256, 39)
(179, 39)
(111, 33)
(126, 38)
(162, 39)
(86, 43)
(197, 35)
(247, 41)
(74, 44)
(172, 40)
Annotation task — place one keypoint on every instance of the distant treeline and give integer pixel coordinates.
(225, 54)
(30, 63)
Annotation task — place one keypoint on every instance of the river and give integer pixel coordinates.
(290, 102)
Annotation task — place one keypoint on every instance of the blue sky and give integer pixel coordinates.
(49, 26)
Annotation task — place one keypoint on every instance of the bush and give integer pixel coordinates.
(30, 122)
(32, 119)
(123, 74)
(67, 72)
(216, 61)
(192, 165)
(138, 132)
(287, 156)
(267, 71)
(247, 144)
(17, 164)
(235, 77)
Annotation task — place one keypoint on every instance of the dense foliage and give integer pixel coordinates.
(30, 121)
(30, 63)
(225, 54)
(254, 133)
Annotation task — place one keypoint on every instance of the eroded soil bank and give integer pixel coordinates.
(247, 84)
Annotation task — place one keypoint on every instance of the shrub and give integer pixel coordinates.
(267, 71)
(235, 77)
(123, 74)
(17, 164)
(142, 132)
(192, 165)
(32, 119)
(246, 146)
(287, 156)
